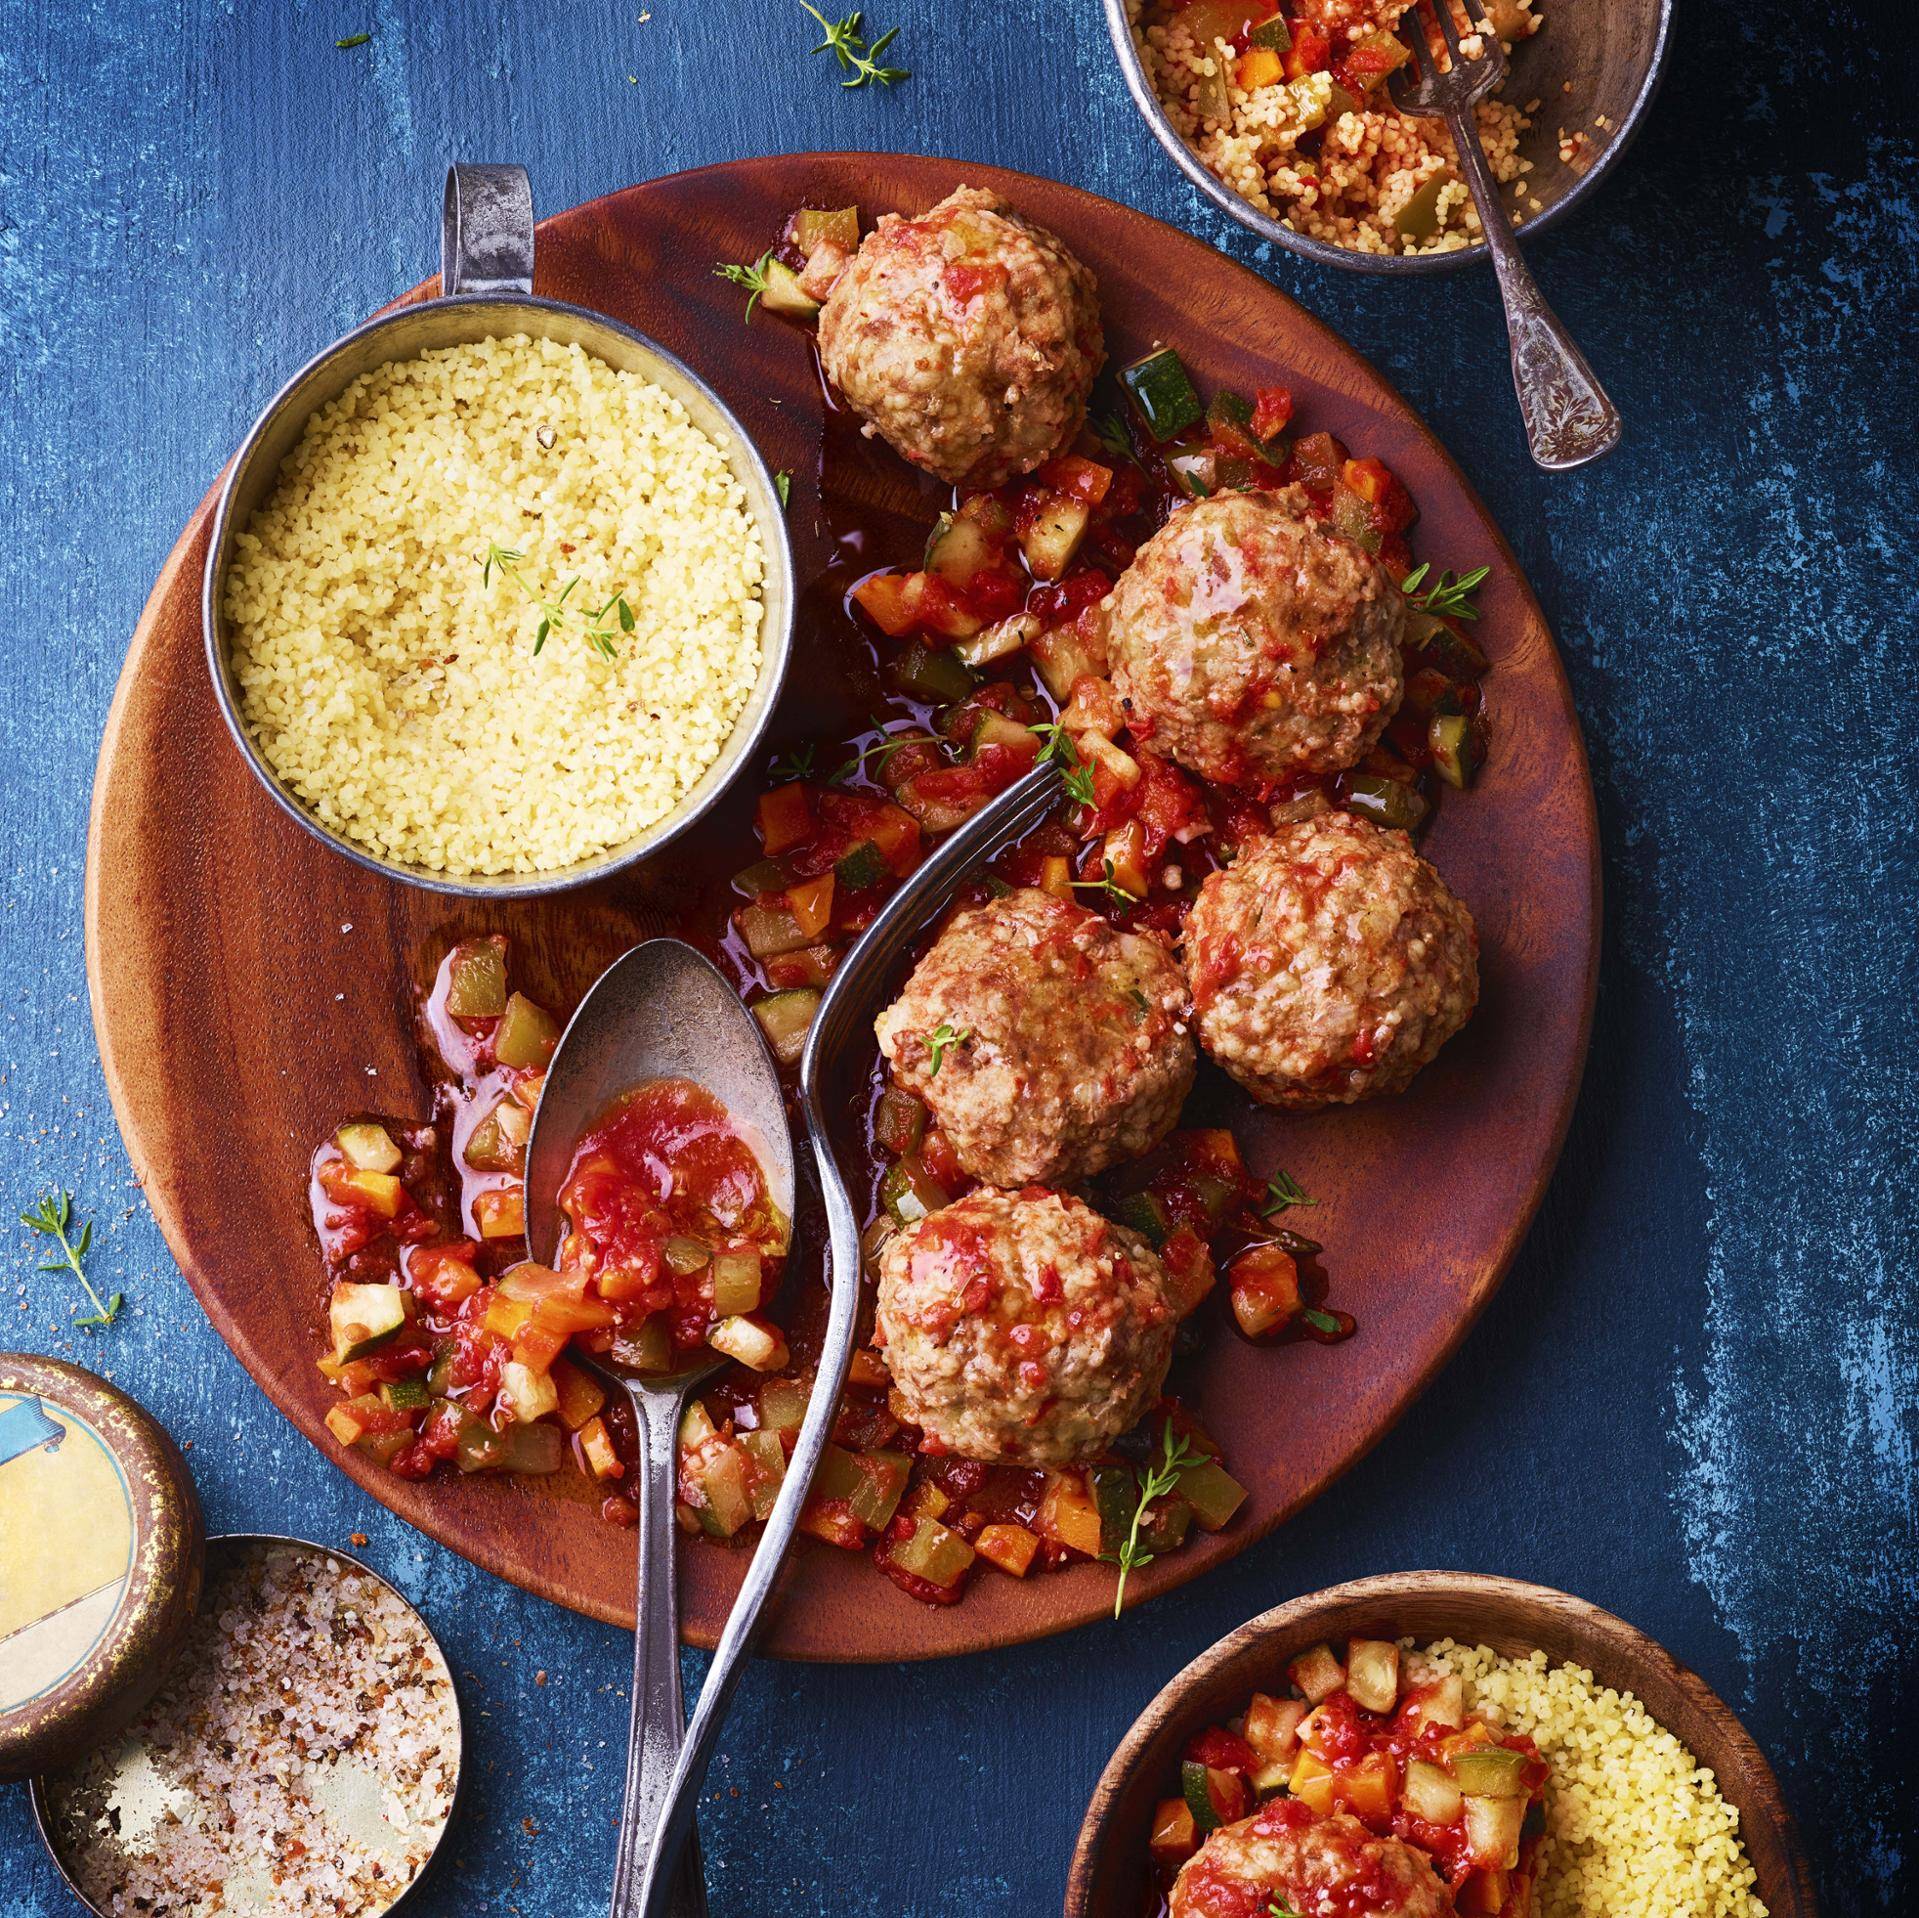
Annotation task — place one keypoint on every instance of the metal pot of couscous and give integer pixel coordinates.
(1279, 132)
(500, 595)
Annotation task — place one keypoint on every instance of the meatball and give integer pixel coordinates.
(1329, 963)
(967, 337)
(1253, 644)
(1329, 1867)
(1022, 1327)
(1068, 1049)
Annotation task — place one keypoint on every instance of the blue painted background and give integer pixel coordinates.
(1694, 1401)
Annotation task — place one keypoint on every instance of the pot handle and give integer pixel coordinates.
(486, 231)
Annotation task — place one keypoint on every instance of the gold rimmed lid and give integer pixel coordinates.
(102, 1549)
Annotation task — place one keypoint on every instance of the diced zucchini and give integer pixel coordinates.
(737, 1282)
(1067, 1514)
(1453, 741)
(782, 1405)
(1272, 33)
(1164, 393)
(596, 1447)
(1493, 1771)
(1052, 535)
(909, 1192)
(770, 929)
(995, 729)
(490, 1147)
(527, 1394)
(726, 1505)
(405, 1395)
(786, 1018)
(756, 1346)
(1116, 1497)
(696, 1426)
(1376, 55)
(1430, 1794)
(937, 677)
(766, 1460)
(1443, 1704)
(647, 1348)
(1212, 1491)
(881, 1484)
(1372, 1673)
(1272, 1727)
(1493, 1826)
(1196, 471)
(1418, 219)
(685, 1255)
(958, 550)
(899, 1122)
(1340, 101)
(1064, 658)
(526, 1034)
(1316, 1673)
(841, 225)
(939, 1556)
(864, 865)
(1000, 641)
(784, 294)
(1213, 1795)
(1386, 802)
(363, 1318)
(378, 1192)
(476, 979)
(368, 1148)
(1145, 1215)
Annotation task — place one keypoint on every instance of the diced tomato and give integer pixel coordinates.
(1080, 478)
(1311, 52)
(785, 817)
(967, 279)
(1272, 411)
(1062, 603)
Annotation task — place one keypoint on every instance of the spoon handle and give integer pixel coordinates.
(1569, 418)
(657, 1727)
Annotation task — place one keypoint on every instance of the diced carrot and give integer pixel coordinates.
(1056, 876)
(1259, 67)
(1175, 1837)
(344, 1425)
(537, 1345)
(868, 1369)
(785, 817)
(811, 905)
(1010, 1547)
(596, 1446)
(1082, 478)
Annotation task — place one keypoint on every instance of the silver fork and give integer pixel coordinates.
(1569, 419)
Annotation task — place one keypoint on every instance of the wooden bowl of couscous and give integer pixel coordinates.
(500, 594)
(1279, 112)
(1635, 1786)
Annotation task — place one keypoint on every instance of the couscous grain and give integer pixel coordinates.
(1634, 1823)
(390, 677)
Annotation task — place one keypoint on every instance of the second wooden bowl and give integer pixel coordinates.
(1110, 1870)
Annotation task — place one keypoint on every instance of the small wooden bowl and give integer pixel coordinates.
(1110, 1869)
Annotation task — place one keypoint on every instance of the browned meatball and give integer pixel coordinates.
(1329, 963)
(967, 337)
(1318, 1867)
(1253, 644)
(1023, 1327)
(1068, 1043)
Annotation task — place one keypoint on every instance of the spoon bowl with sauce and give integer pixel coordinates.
(661, 1143)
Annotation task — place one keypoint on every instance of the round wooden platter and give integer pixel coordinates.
(250, 987)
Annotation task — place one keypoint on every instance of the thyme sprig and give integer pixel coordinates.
(1283, 1192)
(941, 1040)
(1450, 597)
(1107, 884)
(1154, 1483)
(752, 277)
(599, 627)
(795, 764)
(1111, 433)
(50, 1218)
(846, 41)
(1075, 775)
(880, 753)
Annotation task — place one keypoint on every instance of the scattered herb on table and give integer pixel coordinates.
(1282, 1192)
(1450, 597)
(846, 41)
(1154, 1483)
(51, 1218)
(753, 277)
(600, 626)
(941, 1040)
(353, 40)
(783, 486)
(796, 764)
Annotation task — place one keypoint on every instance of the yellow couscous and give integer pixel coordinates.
(1633, 1822)
(411, 659)
(1287, 105)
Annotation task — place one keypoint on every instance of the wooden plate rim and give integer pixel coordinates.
(1382, 398)
(1626, 1651)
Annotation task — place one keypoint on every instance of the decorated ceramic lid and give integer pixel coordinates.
(101, 1554)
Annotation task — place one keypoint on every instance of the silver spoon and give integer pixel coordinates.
(845, 1012)
(1569, 419)
(660, 1012)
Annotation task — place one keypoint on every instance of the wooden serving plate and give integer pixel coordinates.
(1110, 1868)
(250, 988)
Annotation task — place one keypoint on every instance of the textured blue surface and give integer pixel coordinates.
(1694, 1402)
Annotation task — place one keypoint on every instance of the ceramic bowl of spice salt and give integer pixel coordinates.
(300, 1757)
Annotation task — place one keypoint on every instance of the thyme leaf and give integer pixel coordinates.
(783, 486)
(941, 1040)
(51, 1218)
(1319, 1320)
(598, 628)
